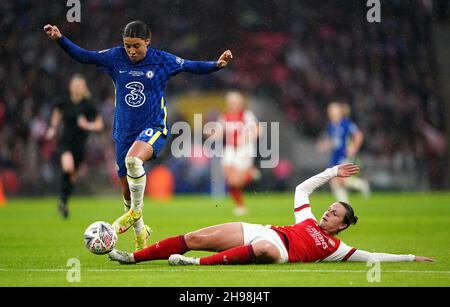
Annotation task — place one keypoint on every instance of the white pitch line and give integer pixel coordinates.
(224, 271)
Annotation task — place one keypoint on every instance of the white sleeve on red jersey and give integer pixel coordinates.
(302, 209)
(341, 254)
(363, 256)
(346, 253)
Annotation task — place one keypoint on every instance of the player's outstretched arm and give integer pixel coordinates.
(205, 67)
(77, 53)
(363, 256)
(303, 190)
(307, 187)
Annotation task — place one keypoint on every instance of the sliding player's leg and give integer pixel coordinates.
(215, 238)
(259, 245)
(256, 243)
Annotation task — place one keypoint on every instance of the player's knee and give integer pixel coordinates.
(134, 166)
(194, 240)
(232, 181)
(133, 162)
(263, 249)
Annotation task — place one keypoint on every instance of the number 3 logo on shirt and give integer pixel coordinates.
(136, 97)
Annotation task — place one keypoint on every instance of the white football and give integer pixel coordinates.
(100, 238)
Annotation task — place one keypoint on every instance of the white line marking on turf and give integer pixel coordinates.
(222, 271)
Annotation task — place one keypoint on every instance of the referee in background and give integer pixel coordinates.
(77, 116)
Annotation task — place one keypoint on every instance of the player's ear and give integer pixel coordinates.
(147, 42)
(343, 226)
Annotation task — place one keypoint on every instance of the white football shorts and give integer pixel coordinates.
(240, 158)
(254, 233)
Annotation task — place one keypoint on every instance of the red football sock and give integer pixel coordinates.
(236, 194)
(238, 255)
(162, 249)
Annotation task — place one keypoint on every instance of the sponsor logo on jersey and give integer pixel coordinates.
(317, 236)
(136, 97)
(136, 73)
(150, 74)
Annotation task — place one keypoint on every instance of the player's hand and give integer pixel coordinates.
(224, 58)
(52, 32)
(83, 123)
(347, 170)
(423, 259)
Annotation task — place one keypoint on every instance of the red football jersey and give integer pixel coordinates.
(308, 242)
(235, 126)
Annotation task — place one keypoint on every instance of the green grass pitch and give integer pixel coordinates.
(36, 244)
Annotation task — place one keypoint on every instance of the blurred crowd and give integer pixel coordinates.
(299, 54)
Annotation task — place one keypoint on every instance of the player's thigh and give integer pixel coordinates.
(141, 150)
(230, 174)
(67, 162)
(216, 238)
(148, 144)
(241, 176)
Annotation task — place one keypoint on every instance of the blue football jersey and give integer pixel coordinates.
(139, 87)
(340, 133)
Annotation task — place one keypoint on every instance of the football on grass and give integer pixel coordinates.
(100, 238)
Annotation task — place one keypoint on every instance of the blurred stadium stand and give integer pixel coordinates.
(291, 58)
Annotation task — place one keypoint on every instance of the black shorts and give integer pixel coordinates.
(77, 150)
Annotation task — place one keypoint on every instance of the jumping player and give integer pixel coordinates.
(344, 138)
(240, 127)
(140, 74)
(78, 116)
(241, 243)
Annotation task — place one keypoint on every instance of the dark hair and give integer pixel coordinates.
(349, 218)
(137, 29)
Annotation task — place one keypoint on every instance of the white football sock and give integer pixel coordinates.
(136, 181)
(339, 192)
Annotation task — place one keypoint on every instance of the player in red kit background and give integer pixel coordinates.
(240, 128)
(241, 243)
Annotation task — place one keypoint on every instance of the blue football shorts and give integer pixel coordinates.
(152, 136)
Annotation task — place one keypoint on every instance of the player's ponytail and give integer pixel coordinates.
(137, 29)
(349, 218)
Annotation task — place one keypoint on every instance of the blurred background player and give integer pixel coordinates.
(344, 139)
(78, 116)
(240, 128)
(242, 243)
(140, 75)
